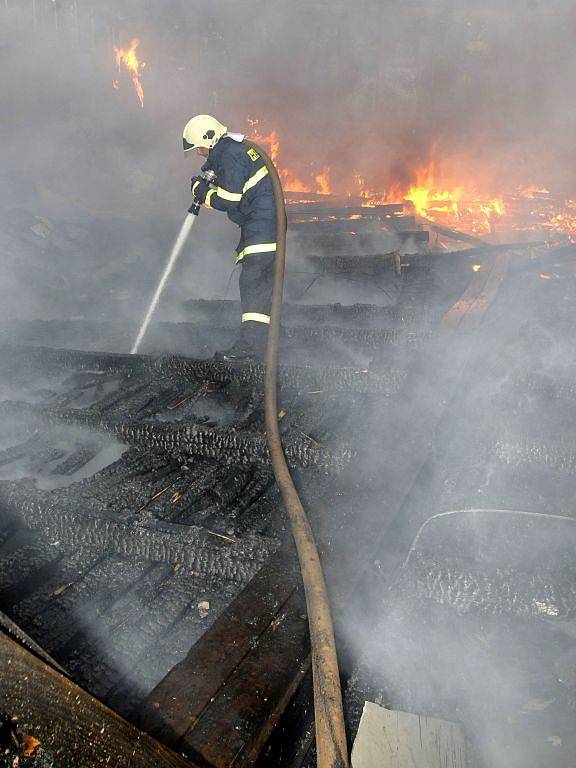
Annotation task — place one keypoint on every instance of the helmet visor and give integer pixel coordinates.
(187, 145)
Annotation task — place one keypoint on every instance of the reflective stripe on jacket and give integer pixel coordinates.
(244, 191)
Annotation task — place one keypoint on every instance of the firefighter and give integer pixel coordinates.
(244, 191)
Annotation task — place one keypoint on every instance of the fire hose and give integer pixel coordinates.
(329, 717)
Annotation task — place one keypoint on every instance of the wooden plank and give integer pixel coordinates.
(402, 740)
(455, 234)
(334, 227)
(11, 629)
(75, 727)
(178, 701)
(303, 210)
(476, 299)
(457, 311)
(401, 222)
(233, 731)
(418, 235)
(487, 295)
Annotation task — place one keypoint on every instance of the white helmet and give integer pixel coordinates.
(202, 131)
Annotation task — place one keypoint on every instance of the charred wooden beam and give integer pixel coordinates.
(202, 550)
(468, 587)
(537, 454)
(318, 198)
(190, 439)
(336, 227)
(454, 234)
(180, 335)
(332, 230)
(487, 248)
(370, 338)
(313, 210)
(323, 229)
(320, 226)
(313, 336)
(300, 378)
(417, 235)
(249, 374)
(302, 314)
(372, 264)
(31, 358)
(401, 222)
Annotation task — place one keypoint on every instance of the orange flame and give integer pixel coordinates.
(323, 181)
(290, 182)
(126, 57)
(436, 197)
(442, 192)
(533, 191)
(452, 204)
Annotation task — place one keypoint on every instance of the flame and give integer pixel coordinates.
(459, 203)
(290, 182)
(271, 144)
(452, 204)
(427, 195)
(323, 181)
(439, 191)
(126, 57)
(533, 191)
(437, 198)
(476, 267)
(370, 196)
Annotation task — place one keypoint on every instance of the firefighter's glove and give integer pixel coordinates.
(200, 188)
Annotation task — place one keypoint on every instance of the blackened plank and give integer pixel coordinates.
(234, 729)
(179, 700)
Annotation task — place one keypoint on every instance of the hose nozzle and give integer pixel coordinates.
(209, 176)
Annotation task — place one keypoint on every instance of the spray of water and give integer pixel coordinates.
(174, 255)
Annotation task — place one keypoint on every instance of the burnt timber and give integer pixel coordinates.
(149, 554)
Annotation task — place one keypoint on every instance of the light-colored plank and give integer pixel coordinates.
(390, 739)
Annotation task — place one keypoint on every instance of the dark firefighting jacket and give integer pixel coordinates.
(245, 193)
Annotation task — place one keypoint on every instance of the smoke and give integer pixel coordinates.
(377, 89)
(468, 631)
(97, 188)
